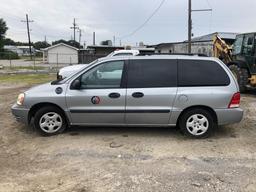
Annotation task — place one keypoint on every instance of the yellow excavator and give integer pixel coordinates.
(240, 58)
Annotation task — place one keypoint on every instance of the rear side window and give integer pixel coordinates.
(152, 73)
(201, 73)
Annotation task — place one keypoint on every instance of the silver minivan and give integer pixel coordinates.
(192, 92)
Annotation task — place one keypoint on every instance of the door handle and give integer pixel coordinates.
(114, 95)
(137, 95)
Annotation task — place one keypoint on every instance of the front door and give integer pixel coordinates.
(101, 97)
(151, 91)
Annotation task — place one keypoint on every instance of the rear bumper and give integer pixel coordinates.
(20, 114)
(229, 116)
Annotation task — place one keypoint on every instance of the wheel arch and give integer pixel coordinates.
(207, 108)
(37, 106)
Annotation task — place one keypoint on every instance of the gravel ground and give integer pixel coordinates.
(85, 159)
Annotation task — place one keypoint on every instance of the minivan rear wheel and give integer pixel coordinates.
(49, 121)
(197, 123)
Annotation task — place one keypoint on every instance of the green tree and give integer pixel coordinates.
(59, 41)
(3, 29)
(74, 43)
(8, 41)
(70, 42)
(41, 45)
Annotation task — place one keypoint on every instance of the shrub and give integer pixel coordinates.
(8, 55)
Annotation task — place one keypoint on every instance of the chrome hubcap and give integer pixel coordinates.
(197, 124)
(50, 122)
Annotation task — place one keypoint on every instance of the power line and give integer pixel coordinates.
(146, 21)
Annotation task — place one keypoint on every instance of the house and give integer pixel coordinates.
(20, 50)
(60, 54)
(202, 44)
(103, 49)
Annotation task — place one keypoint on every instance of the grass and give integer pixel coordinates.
(16, 68)
(28, 79)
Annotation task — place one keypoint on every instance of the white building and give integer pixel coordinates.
(60, 54)
(20, 50)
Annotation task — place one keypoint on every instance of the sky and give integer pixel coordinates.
(119, 18)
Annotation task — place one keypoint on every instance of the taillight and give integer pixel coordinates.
(235, 101)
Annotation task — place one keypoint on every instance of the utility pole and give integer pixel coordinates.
(189, 25)
(114, 40)
(28, 30)
(74, 27)
(80, 36)
(94, 38)
(45, 39)
(190, 10)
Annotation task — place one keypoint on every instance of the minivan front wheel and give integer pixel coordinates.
(49, 121)
(197, 123)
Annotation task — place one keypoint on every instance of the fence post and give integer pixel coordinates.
(34, 61)
(10, 59)
(57, 61)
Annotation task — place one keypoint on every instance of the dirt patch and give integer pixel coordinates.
(87, 159)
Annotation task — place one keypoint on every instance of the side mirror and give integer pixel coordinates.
(76, 84)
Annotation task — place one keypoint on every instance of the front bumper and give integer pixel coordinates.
(20, 113)
(229, 116)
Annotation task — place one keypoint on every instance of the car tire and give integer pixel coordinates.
(197, 123)
(241, 75)
(50, 121)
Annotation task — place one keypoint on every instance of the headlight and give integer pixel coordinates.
(20, 99)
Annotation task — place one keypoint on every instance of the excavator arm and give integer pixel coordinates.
(222, 50)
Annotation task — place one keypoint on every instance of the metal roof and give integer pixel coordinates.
(209, 37)
(204, 38)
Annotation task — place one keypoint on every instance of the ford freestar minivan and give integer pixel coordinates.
(195, 93)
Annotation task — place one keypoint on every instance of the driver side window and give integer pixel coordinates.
(106, 75)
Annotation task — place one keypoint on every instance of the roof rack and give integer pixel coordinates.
(188, 54)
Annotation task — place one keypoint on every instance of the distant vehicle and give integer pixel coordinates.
(69, 70)
(124, 53)
(195, 93)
